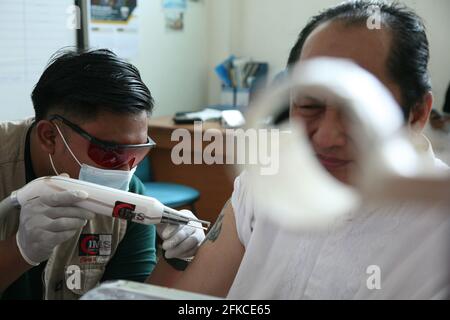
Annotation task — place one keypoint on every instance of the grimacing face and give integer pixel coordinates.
(325, 124)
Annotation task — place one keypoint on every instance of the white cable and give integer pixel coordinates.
(67, 145)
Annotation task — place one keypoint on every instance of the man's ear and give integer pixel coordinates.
(46, 136)
(420, 114)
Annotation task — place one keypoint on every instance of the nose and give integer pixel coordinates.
(330, 130)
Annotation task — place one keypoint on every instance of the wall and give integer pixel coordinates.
(224, 20)
(268, 29)
(179, 66)
(173, 63)
(26, 43)
(435, 13)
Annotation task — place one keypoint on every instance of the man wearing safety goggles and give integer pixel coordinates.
(91, 123)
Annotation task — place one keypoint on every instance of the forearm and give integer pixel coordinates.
(12, 265)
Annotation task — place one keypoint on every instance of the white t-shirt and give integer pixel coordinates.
(404, 249)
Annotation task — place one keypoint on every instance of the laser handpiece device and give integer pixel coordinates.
(106, 201)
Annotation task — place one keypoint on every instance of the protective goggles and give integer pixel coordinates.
(108, 154)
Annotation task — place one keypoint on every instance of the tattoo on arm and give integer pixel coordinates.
(214, 232)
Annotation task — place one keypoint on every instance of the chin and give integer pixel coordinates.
(342, 175)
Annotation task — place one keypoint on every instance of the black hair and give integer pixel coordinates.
(409, 53)
(82, 83)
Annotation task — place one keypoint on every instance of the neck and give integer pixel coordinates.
(39, 157)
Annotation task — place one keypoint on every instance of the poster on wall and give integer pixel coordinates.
(174, 11)
(113, 24)
(112, 11)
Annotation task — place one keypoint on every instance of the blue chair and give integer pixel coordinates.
(170, 194)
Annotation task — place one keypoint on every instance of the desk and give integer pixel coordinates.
(215, 182)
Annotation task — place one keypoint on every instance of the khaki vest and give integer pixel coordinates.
(77, 265)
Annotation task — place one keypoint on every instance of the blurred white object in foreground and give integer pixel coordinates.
(128, 290)
(302, 194)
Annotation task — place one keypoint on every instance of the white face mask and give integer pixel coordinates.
(117, 179)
